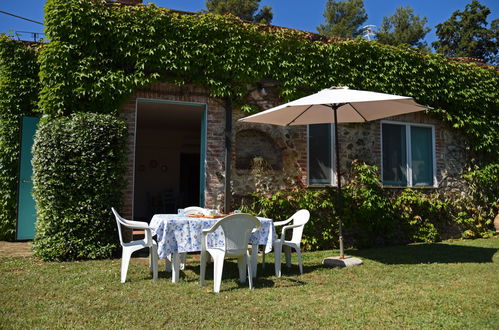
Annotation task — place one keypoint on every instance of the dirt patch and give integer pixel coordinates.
(15, 249)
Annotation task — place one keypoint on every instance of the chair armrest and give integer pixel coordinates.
(137, 225)
(207, 231)
(283, 231)
(282, 223)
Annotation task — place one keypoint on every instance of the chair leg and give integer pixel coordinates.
(168, 264)
(300, 264)
(183, 258)
(263, 258)
(249, 265)
(175, 268)
(277, 259)
(153, 251)
(241, 264)
(218, 266)
(202, 266)
(287, 251)
(254, 259)
(125, 260)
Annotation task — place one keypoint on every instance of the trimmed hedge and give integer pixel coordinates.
(79, 166)
(19, 88)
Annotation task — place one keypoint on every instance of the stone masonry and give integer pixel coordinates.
(357, 141)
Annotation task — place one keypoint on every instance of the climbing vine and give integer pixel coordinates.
(19, 88)
(98, 54)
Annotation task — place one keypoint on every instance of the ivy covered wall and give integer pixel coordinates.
(19, 88)
(98, 54)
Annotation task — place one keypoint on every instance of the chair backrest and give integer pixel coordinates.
(194, 210)
(299, 218)
(237, 230)
(119, 221)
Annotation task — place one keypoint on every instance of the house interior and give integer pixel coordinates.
(167, 157)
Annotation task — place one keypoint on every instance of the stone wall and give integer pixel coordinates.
(283, 147)
(363, 142)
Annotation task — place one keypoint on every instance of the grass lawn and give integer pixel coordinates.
(450, 285)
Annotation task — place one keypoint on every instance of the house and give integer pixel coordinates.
(185, 145)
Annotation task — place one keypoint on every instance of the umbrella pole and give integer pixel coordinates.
(338, 178)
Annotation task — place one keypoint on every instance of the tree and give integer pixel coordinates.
(343, 18)
(244, 9)
(404, 27)
(465, 34)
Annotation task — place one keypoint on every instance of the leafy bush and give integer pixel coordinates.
(369, 214)
(19, 88)
(372, 217)
(422, 216)
(79, 166)
(321, 232)
(475, 208)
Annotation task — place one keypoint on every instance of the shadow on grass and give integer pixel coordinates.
(265, 275)
(427, 253)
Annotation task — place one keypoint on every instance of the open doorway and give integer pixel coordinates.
(169, 157)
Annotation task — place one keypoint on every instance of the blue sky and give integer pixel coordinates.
(298, 14)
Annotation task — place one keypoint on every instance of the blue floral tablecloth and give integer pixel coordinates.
(179, 233)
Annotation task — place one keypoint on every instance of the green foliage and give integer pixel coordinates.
(321, 231)
(475, 208)
(373, 217)
(79, 165)
(403, 27)
(423, 216)
(369, 215)
(343, 18)
(244, 9)
(98, 55)
(465, 33)
(19, 88)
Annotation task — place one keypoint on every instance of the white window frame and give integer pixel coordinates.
(408, 142)
(333, 159)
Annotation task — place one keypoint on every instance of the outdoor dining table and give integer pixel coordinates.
(180, 234)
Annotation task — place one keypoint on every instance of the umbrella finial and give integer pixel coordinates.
(339, 87)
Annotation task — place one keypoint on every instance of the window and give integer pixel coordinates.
(320, 154)
(408, 156)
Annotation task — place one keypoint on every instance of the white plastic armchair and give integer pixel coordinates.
(130, 247)
(237, 229)
(299, 219)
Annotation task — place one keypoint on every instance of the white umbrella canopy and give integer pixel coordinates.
(354, 106)
(337, 105)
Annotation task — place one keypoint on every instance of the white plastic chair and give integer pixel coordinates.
(237, 229)
(130, 247)
(299, 219)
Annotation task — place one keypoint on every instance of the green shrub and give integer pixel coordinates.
(372, 217)
(369, 215)
(475, 208)
(19, 88)
(79, 167)
(422, 216)
(321, 232)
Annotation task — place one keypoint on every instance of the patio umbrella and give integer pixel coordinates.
(337, 105)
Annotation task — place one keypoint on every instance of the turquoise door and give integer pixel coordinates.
(26, 214)
(202, 161)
